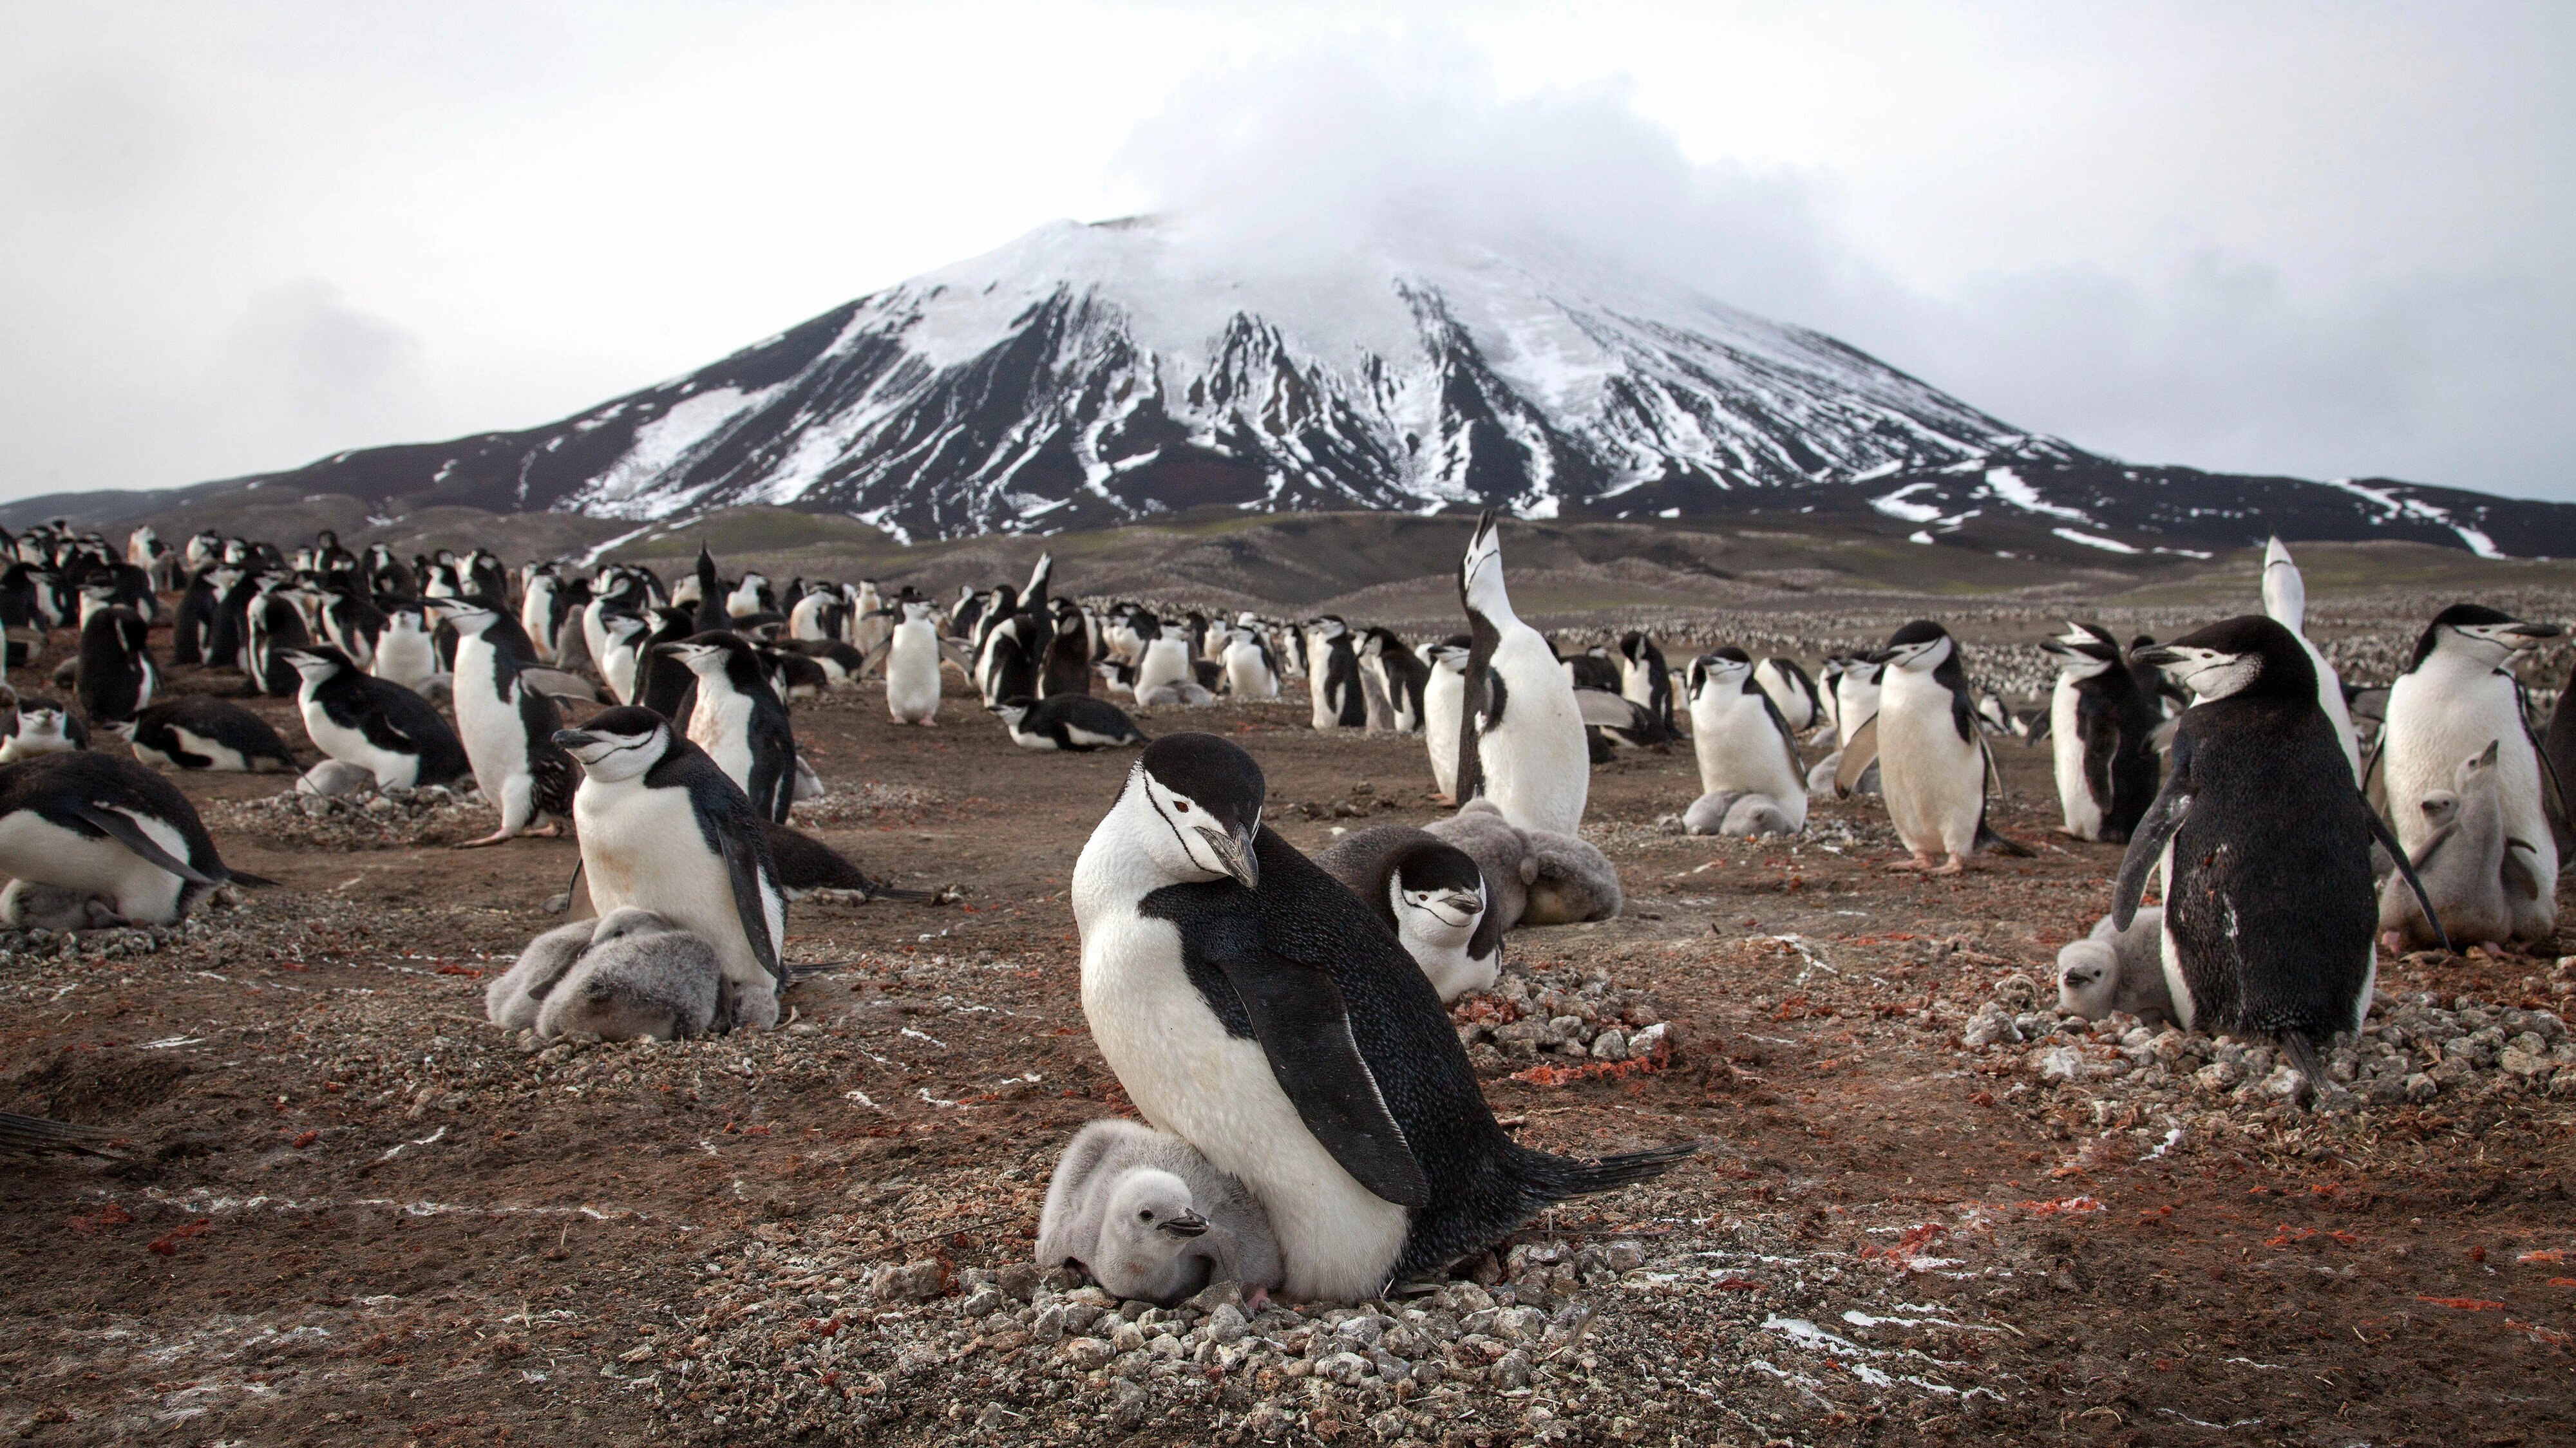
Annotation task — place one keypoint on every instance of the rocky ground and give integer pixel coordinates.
(347, 1210)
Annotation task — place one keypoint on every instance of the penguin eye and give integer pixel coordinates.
(1181, 805)
(1145, 1216)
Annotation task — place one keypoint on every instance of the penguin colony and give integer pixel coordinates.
(1311, 1125)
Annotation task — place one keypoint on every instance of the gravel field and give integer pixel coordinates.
(348, 1210)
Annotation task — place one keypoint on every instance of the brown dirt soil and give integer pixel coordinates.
(349, 1211)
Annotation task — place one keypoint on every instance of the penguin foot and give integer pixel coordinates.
(1951, 866)
(2393, 941)
(1912, 862)
(494, 838)
(550, 830)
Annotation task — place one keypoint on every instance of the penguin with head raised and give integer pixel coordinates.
(1144, 1214)
(1431, 894)
(2285, 602)
(103, 825)
(375, 724)
(2457, 696)
(508, 725)
(1744, 746)
(1933, 765)
(2264, 846)
(739, 721)
(663, 829)
(2476, 878)
(1074, 722)
(1521, 741)
(43, 727)
(2099, 734)
(1254, 1007)
(193, 731)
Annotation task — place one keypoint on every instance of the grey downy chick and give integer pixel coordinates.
(2469, 868)
(515, 997)
(1149, 1218)
(642, 976)
(2117, 971)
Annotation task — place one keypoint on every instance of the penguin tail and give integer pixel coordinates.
(1559, 1177)
(36, 1133)
(248, 880)
(1988, 840)
(2303, 1054)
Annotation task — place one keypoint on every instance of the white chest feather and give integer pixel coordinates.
(642, 847)
(912, 672)
(1739, 748)
(2066, 749)
(33, 849)
(392, 770)
(721, 725)
(1935, 781)
(2439, 716)
(496, 742)
(1538, 768)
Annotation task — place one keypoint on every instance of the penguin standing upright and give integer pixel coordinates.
(404, 653)
(1792, 692)
(544, 609)
(912, 655)
(2264, 844)
(373, 723)
(2098, 729)
(1253, 1007)
(1068, 654)
(2454, 699)
(1250, 672)
(739, 721)
(1933, 765)
(272, 624)
(663, 829)
(508, 727)
(1643, 678)
(2285, 602)
(1521, 741)
(1743, 745)
(1444, 707)
(1333, 676)
(115, 678)
(194, 619)
(1399, 674)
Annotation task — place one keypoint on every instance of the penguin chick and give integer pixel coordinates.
(1737, 814)
(1431, 894)
(26, 905)
(2475, 875)
(1574, 881)
(642, 976)
(514, 997)
(1149, 1218)
(1499, 850)
(335, 777)
(2114, 970)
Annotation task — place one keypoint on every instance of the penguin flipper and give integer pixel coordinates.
(2147, 845)
(743, 865)
(2440, 837)
(2387, 839)
(1304, 1028)
(122, 829)
(1859, 753)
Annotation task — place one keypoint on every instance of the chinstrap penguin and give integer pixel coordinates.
(192, 731)
(107, 826)
(375, 723)
(508, 726)
(1076, 722)
(1148, 1218)
(1933, 766)
(1744, 746)
(1521, 741)
(739, 721)
(2099, 727)
(1431, 894)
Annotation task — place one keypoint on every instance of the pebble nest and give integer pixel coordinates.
(1550, 1024)
(2416, 1052)
(377, 819)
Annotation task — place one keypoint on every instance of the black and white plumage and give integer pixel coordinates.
(1254, 1007)
(1933, 764)
(2456, 697)
(1068, 653)
(1074, 722)
(373, 723)
(2285, 602)
(2264, 843)
(1743, 745)
(1521, 741)
(406, 650)
(106, 826)
(196, 732)
(2100, 730)
(272, 626)
(1792, 692)
(805, 864)
(1444, 710)
(663, 829)
(1333, 676)
(195, 618)
(508, 725)
(115, 678)
(1397, 674)
(1431, 894)
(42, 726)
(738, 720)
(1644, 679)
(1148, 1218)
(1251, 673)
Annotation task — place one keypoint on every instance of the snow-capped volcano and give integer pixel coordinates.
(1088, 375)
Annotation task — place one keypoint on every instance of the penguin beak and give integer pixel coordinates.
(1234, 851)
(1187, 1224)
(573, 740)
(2524, 635)
(2157, 657)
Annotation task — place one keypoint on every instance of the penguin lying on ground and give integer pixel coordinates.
(806, 864)
(375, 723)
(1533, 877)
(44, 727)
(1431, 894)
(2114, 970)
(640, 976)
(2264, 845)
(1075, 722)
(106, 826)
(515, 997)
(662, 828)
(193, 731)
(1252, 1006)
(26, 905)
(2475, 875)
(1148, 1218)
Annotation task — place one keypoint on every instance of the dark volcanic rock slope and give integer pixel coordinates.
(1089, 375)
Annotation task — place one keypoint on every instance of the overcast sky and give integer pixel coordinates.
(2318, 239)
